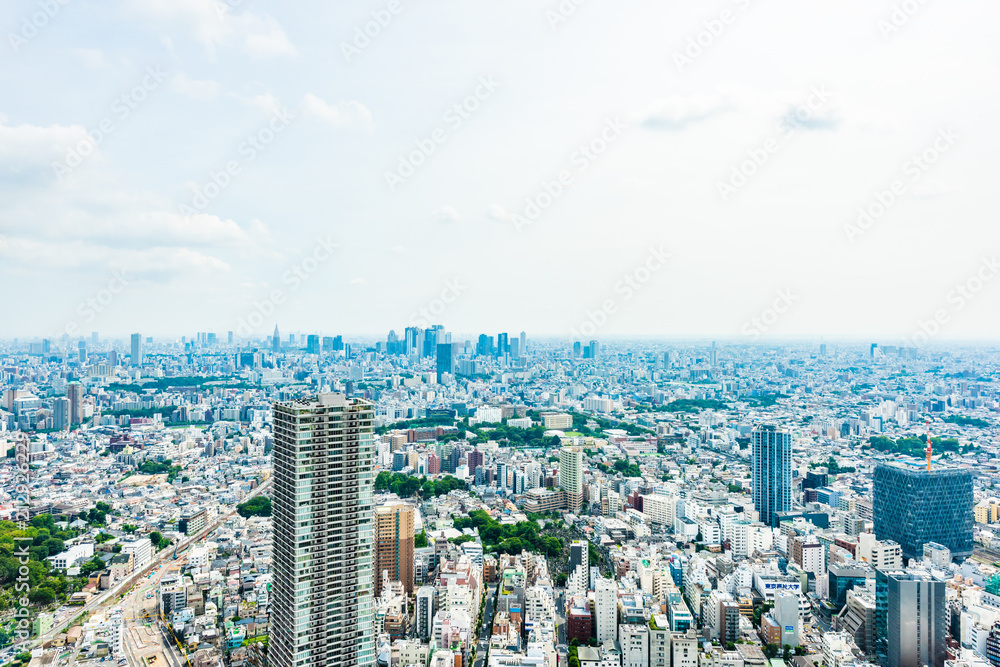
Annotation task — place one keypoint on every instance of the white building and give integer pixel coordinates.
(606, 600)
(634, 642)
(141, 550)
(72, 556)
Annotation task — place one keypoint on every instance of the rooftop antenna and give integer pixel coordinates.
(929, 447)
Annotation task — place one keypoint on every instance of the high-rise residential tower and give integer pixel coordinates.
(606, 601)
(74, 392)
(571, 476)
(772, 472)
(322, 611)
(136, 349)
(394, 545)
(914, 506)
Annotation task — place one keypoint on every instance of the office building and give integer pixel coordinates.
(571, 476)
(426, 606)
(276, 340)
(914, 506)
(74, 392)
(136, 359)
(910, 619)
(445, 360)
(394, 545)
(322, 609)
(772, 472)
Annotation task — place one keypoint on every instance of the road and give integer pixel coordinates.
(125, 584)
(136, 606)
(487, 630)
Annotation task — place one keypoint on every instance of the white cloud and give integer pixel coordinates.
(265, 39)
(497, 213)
(342, 114)
(215, 24)
(447, 214)
(199, 90)
(30, 148)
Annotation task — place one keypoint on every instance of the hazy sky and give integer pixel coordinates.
(653, 168)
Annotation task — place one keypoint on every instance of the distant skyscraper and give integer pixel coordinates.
(772, 472)
(571, 476)
(910, 613)
(913, 506)
(523, 346)
(577, 349)
(276, 340)
(445, 359)
(322, 611)
(394, 545)
(74, 392)
(312, 344)
(82, 351)
(502, 346)
(61, 413)
(229, 337)
(136, 350)
(484, 346)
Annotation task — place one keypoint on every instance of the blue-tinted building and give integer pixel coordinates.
(844, 578)
(772, 472)
(913, 506)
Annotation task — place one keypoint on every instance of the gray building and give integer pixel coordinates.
(914, 506)
(322, 610)
(772, 472)
(910, 619)
(136, 350)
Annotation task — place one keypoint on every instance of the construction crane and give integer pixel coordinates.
(930, 449)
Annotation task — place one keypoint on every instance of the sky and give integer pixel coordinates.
(741, 169)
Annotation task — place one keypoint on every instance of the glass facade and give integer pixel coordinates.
(910, 619)
(914, 506)
(772, 472)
